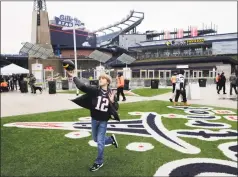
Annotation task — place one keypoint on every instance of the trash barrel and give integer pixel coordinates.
(65, 84)
(52, 87)
(94, 82)
(24, 87)
(126, 84)
(202, 82)
(154, 83)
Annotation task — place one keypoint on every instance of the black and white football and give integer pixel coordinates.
(68, 65)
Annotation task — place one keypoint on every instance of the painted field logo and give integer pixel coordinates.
(150, 125)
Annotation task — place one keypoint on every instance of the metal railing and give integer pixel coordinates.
(177, 55)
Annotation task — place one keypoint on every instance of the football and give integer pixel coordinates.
(68, 65)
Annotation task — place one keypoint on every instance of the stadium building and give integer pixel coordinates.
(201, 52)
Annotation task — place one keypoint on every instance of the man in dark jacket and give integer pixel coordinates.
(102, 104)
(222, 83)
(14, 78)
(32, 81)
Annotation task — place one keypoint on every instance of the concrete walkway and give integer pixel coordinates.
(16, 103)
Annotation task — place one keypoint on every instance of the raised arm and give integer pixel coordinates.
(84, 88)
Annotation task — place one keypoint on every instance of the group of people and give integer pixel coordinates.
(10, 82)
(14, 82)
(178, 83)
(221, 83)
(178, 91)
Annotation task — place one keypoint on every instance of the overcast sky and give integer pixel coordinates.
(16, 16)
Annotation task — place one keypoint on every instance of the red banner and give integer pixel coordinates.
(194, 31)
(180, 33)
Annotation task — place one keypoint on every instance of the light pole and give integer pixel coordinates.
(75, 50)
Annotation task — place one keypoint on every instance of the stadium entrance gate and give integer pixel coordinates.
(151, 74)
(197, 74)
(212, 74)
(164, 74)
(143, 74)
(186, 73)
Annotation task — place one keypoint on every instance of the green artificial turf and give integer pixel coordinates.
(42, 152)
(148, 92)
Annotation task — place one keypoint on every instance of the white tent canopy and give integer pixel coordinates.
(13, 69)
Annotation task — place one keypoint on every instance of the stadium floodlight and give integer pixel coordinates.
(36, 51)
(99, 56)
(124, 58)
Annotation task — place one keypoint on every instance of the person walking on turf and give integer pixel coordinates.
(102, 104)
(180, 88)
(222, 83)
(120, 87)
(173, 81)
(233, 80)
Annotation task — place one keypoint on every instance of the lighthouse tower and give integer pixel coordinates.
(40, 33)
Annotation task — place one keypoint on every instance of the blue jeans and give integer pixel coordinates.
(99, 129)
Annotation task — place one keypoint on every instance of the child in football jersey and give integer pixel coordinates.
(102, 104)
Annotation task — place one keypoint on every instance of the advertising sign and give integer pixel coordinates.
(37, 71)
(184, 42)
(67, 21)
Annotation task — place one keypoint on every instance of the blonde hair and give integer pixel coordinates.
(106, 76)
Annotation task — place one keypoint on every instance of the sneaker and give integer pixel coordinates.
(124, 100)
(114, 141)
(95, 167)
(170, 100)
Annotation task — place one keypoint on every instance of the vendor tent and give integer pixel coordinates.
(13, 69)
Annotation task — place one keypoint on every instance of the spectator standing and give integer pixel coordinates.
(217, 81)
(222, 83)
(120, 87)
(233, 80)
(32, 81)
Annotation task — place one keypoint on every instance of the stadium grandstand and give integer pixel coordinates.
(109, 35)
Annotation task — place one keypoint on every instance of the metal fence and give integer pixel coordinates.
(137, 83)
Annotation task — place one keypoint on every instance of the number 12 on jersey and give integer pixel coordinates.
(102, 104)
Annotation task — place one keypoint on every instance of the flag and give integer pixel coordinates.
(180, 33)
(167, 35)
(194, 31)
